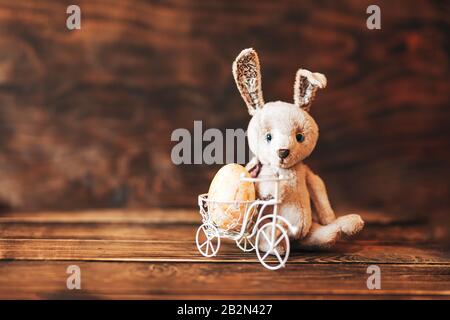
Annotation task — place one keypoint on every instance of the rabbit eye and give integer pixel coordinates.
(268, 137)
(300, 137)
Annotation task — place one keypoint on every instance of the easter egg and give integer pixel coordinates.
(229, 197)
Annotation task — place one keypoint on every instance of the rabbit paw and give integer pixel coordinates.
(350, 224)
(254, 167)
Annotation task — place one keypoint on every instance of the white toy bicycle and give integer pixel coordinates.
(269, 234)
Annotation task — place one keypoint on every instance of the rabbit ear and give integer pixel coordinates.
(305, 87)
(247, 74)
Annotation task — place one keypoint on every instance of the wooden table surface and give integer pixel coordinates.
(147, 254)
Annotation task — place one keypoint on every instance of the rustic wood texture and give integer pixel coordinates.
(132, 255)
(86, 116)
(46, 280)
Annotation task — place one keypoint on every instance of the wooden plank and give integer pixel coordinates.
(166, 223)
(212, 296)
(97, 231)
(154, 215)
(164, 215)
(47, 280)
(168, 231)
(176, 250)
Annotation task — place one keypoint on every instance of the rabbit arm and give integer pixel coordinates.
(253, 167)
(319, 196)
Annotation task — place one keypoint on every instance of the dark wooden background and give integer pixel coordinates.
(86, 116)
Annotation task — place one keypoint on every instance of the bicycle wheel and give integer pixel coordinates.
(208, 240)
(272, 237)
(245, 244)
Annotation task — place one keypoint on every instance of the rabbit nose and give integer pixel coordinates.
(283, 153)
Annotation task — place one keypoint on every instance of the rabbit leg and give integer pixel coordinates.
(319, 196)
(320, 237)
(350, 224)
(323, 237)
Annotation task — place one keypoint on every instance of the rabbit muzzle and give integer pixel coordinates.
(283, 153)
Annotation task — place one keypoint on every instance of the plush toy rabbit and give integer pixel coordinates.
(281, 135)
